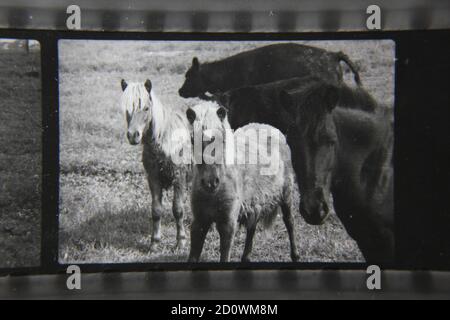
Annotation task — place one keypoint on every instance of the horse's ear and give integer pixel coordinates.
(217, 97)
(330, 97)
(190, 114)
(148, 85)
(287, 101)
(124, 84)
(222, 113)
(222, 99)
(195, 63)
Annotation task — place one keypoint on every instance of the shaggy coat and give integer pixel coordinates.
(151, 124)
(343, 158)
(228, 194)
(263, 65)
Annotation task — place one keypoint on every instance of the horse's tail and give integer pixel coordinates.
(343, 57)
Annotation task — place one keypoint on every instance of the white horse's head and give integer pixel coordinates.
(208, 124)
(140, 108)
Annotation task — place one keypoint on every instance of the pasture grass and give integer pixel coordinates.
(20, 158)
(105, 201)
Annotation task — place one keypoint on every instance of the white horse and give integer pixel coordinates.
(228, 194)
(151, 124)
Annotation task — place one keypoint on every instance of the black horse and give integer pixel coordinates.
(342, 157)
(262, 104)
(263, 65)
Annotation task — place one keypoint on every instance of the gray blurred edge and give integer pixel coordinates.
(225, 16)
(217, 285)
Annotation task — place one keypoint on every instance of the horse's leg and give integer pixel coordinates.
(199, 230)
(251, 228)
(157, 211)
(178, 213)
(226, 231)
(288, 220)
(375, 239)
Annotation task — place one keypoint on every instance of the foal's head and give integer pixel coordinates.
(137, 104)
(313, 140)
(208, 131)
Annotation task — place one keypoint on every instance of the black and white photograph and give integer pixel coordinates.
(20, 153)
(132, 193)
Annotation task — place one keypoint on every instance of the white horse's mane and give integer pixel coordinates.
(207, 120)
(164, 119)
(206, 117)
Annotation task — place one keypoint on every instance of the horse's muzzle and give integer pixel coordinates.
(182, 93)
(316, 215)
(186, 93)
(134, 138)
(210, 185)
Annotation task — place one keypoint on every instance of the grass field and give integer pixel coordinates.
(104, 197)
(20, 157)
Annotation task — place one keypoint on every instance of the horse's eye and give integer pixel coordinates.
(146, 109)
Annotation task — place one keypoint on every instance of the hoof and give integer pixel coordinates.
(180, 246)
(295, 257)
(246, 260)
(154, 246)
(192, 260)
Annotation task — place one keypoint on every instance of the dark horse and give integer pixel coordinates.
(263, 65)
(342, 156)
(262, 104)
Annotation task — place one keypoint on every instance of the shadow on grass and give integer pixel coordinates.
(120, 237)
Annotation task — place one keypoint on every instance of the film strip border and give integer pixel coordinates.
(248, 285)
(267, 283)
(229, 16)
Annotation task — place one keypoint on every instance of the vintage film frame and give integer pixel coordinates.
(50, 223)
(423, 282)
